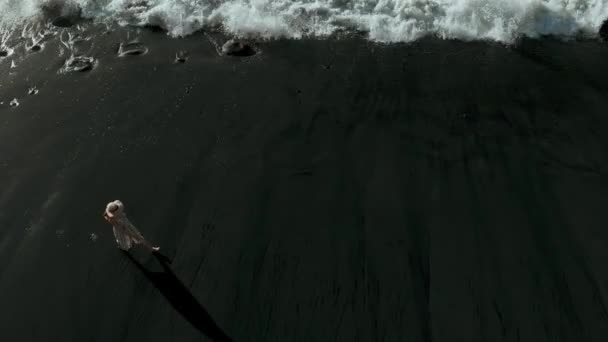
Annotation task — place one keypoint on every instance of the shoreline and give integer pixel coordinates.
(345, 190)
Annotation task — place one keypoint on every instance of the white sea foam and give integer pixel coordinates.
(383, 20)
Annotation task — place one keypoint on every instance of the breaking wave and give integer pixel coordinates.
(381, 20)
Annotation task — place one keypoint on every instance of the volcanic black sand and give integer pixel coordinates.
(321, 190)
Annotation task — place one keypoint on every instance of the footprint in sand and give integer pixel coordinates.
(79, 64)
(132, 48)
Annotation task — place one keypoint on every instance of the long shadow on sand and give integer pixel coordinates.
(182, 299)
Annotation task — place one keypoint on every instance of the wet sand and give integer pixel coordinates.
(322, 190)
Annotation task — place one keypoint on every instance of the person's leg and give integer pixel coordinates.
(151, 248)
(138, 239)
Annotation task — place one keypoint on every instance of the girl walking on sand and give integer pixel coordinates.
(125, 232)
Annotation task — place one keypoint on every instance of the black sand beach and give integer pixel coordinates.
(322, 190)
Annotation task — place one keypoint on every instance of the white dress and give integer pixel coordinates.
(124, 231)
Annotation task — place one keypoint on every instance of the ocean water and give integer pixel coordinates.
(382, 20)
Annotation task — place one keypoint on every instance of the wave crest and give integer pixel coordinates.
(382, 20)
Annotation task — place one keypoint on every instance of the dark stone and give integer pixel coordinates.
(237, 48)
(65, 21)
(3, 53)
(63, 13)
(155, 28)
(604, 30)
